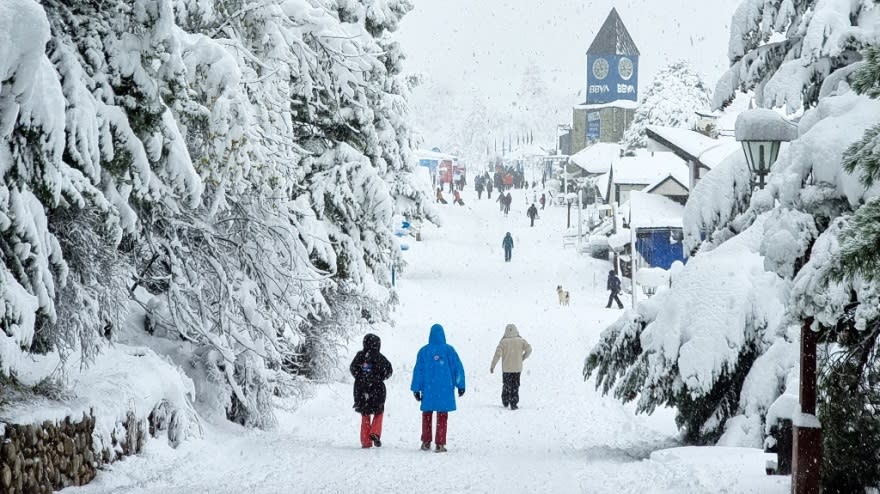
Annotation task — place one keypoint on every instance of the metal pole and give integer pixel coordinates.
(807, 434)
(632, 260)
(580, 202)
(568, 220)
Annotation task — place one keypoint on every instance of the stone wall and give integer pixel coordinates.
(40, 458)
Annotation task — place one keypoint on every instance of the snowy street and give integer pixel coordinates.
(565, 437)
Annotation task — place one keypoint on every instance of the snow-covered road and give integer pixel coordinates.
(566, 437)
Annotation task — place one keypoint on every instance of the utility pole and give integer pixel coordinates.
(632, 257)
(580, 202)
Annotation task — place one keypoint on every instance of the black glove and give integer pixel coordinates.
(460, 393)
(417, 395)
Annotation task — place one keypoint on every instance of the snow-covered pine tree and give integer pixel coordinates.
(721, 344)
(784, 49)
(860, 245)
(851, 370)
(674, 96)
(241, 161)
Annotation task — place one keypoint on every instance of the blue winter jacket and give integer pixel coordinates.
(507, 243)
(437, 373)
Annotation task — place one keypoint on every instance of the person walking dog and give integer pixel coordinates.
(511, 350)
(370, 369)
(436, 375)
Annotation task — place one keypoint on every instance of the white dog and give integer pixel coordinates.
(563, 295)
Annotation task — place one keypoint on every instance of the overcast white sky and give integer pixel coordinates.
(480, 47)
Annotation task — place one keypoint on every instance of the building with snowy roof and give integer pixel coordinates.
(615, 174)
(612, 87)
(700, 152)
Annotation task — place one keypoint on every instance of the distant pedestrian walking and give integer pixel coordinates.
(614, 287)
(438, 372)
(511, 350)
(489, 189)
(532, 213)
(507, 201)
(507, 244)
(543, 200)
(370, 368)
(478, 185)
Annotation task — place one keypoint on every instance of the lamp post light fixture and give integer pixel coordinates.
(762, 132)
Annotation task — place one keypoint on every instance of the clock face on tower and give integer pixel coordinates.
(600, 68)
(625, 68)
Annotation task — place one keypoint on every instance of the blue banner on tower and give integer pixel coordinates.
(611, 78)
(594, 126)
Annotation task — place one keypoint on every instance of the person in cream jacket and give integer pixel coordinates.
(511, 351)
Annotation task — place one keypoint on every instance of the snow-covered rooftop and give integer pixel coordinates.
(647, 167)
(621, 103)
(645, 210)
(597, 158)
(710, 152)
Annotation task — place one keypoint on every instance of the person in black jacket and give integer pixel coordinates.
(370, 368)
(614, 287)
(532, 213)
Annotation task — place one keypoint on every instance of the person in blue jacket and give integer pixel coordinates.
(438, 372)
(507, 244)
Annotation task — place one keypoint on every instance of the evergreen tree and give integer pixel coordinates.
(811, 39)
(849, 396)
(860, 243)
(241, 162)
(724, 357)
(674, 96)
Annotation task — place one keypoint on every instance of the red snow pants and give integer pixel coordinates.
(368, 427)
(427, 419)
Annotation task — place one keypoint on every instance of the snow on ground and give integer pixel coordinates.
(565, 437)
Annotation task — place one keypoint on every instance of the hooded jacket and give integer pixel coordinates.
(370, 368)
(511, 350)
(507, 243)
(613, 282)
(437, 373)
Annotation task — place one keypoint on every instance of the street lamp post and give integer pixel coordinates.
(762, 132)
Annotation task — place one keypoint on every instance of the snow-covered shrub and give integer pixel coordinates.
(672, 100)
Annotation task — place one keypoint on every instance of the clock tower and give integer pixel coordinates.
(612, 91)
(612, 64)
